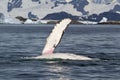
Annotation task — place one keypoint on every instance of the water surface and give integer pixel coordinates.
(95, 41)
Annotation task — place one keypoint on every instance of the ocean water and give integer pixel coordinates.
(95, 41)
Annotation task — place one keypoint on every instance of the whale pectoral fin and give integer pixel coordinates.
(49, 51)
(55, 37)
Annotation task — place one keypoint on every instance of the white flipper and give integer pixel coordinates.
(55, 36)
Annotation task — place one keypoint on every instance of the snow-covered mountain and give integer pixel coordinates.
(92, 10)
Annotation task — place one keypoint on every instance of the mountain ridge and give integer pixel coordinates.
(92, 10)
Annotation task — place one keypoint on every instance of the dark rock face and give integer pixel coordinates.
(37, 1)
(116, 8)
(79, 5)
(60, 16)
(111, 16)
(13, 4)
(57, 2)
(32, 16)
(94, 17)
(21, 18)
(102, 1)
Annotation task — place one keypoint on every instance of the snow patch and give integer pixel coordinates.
(104, 19)
(68, 1)
(118, 12)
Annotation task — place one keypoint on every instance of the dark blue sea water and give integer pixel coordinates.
(95, 41)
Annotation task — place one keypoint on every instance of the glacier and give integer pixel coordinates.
(93, 10)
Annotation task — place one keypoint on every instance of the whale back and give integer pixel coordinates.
(55, 36)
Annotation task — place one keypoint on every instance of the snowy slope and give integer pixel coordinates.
(40, 9)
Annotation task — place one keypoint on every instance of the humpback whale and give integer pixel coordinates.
(54, 39)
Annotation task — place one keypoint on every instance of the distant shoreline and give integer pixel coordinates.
(73, 22)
